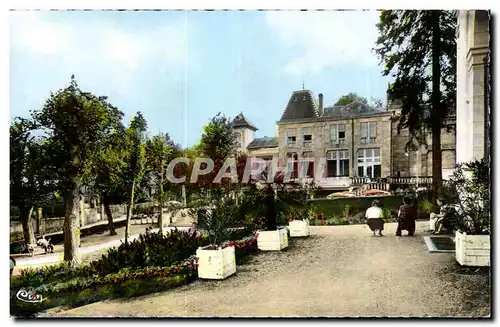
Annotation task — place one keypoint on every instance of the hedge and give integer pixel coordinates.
(336, 207)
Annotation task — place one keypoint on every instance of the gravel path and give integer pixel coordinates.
(337, 271)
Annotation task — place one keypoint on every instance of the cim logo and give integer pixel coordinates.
(29, 296)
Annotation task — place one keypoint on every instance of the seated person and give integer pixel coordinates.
(435, 217)
(374, 218)
(406, 217)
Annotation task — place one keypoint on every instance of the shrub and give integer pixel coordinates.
(336, 207)
(150, 250)
(472, 182)
(425, 207)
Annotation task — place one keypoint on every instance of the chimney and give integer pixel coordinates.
(320, 98)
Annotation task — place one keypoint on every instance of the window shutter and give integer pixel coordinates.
(302, 133)
(373, 129)
(333, 133)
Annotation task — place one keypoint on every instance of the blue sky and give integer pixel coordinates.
(179, 69)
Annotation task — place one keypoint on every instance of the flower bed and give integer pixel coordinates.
(243, 248)
(122, 272)
(127, 282)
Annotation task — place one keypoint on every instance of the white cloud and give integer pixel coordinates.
(322, 39)
(102, 47)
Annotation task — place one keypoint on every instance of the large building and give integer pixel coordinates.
(473, 51)
(358, 142)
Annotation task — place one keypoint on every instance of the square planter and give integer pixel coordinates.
(472, 250)
(216, 264)
(299, 228)
(274, 240)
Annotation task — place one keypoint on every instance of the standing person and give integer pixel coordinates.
(374, 218)
(406, 217)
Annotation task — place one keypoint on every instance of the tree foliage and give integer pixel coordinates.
(30, 182)
(158, 153)
(418, 49)
(76, 124)
(135, 137)
(349, 98)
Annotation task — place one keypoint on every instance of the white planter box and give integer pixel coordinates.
(472, 250)
(274, 240)
(216, 264)
(144, 221)
(299, 228)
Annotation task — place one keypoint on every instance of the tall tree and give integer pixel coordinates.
(218, 143)
(158, 153)
(108, 172)
(136, 161)
(30, 180)
(76, 124)
(348, 98)
(418, 48)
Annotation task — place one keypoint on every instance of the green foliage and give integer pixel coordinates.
(31, 182)
(472, 182)
(425, 207)
(218, 140)
(418, 48)
(449, 193)
(136, 154)
(216, 218)
(349, 98)
(347, 211)
(387, 214)
(77, 125)
(336, 207)
(159, 152)
(150, 250)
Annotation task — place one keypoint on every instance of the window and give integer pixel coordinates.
(368, 133)
(337, 133)
(306, 136)
(292, 164)
(238, 139)
(308, 164)
(290, 137)
(369, 163)
(337, 163)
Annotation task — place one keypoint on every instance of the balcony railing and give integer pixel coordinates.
(411, 180)
(307, 144)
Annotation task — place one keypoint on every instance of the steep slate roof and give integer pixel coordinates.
(263, 142)
(242, 121)
(302, 104)
(352, 109)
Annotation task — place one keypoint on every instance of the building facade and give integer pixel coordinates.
(473, 49)
(343, 144)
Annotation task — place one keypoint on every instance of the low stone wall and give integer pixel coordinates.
(51, 225)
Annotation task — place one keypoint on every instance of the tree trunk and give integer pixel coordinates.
(436, 115)
(71, 224)
(271, 223)
(109, 214)
(160, 217)
(28, 232)
(130, 205)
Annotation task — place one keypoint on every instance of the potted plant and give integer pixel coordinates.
(216, 219)
(473, 221)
